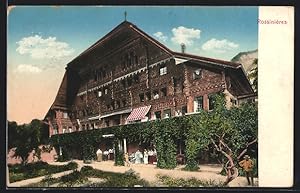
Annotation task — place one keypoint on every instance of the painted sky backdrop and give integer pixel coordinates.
(42, 40)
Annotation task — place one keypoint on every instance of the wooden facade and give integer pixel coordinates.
(126, 70)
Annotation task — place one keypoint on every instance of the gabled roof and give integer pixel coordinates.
(127, 24)
(207, 60)
(117, 29)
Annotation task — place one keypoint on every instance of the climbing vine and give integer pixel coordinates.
(233, 130)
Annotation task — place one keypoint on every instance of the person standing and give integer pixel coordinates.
(247, 165)
(105, 153)
(99, 155)
(126, 157)
(138, 157)
(145, 156)
(110, 154)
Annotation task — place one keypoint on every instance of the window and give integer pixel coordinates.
(155, 94)
(107, 123)
(142, 97)
(95, 76)
(55, 131)
(129, 81)
(118, 104)
(65, 115)
(99, 93)
(148, 96)
(184, 110)
(64, 130)
(167, 113)
(198, 104)
(136, 78)
(117, 121)
(157, 115)
(164, 91)
(163, 70)
(127, 60)
(124, 102)
(70, 129)
(123, 82)
(197, 74)
(112, 105)
(178, 112)
(211, 102)
(233, 101)
(131, 58)
(106, 91)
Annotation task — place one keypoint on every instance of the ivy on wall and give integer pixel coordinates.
(238, 125)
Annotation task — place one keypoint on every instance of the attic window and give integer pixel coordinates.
(197, 74)
(129, 81)
(99, 93)
(123, 82)
(163, 70)
(95, 76)
(136, 78)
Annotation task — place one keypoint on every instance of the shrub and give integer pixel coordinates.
(72, 179)
(72, 165)
(21, 172)
(191, 182)
(86, 169)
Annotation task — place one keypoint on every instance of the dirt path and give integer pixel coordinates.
(149, 172)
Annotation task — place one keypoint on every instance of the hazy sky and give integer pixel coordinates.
(42, 40)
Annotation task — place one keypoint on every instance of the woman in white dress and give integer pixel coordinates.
(145, 157)
(138, 157)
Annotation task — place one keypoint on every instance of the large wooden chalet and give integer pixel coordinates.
(128, 76)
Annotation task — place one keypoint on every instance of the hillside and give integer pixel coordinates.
(246, 59)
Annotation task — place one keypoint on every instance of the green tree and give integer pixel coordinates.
(12, 133)
(27, 138)
(231, 132)
(254, 74)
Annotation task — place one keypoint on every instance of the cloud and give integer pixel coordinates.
(27, 68)
(39, 48)
(160, 36)
(185, 35)
(220, 46)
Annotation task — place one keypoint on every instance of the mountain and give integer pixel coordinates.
(246, 59)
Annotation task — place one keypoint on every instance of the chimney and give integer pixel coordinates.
(182, 48)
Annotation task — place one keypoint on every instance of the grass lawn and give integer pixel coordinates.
(19, 172)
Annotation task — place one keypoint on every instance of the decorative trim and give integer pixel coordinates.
(125, 76)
